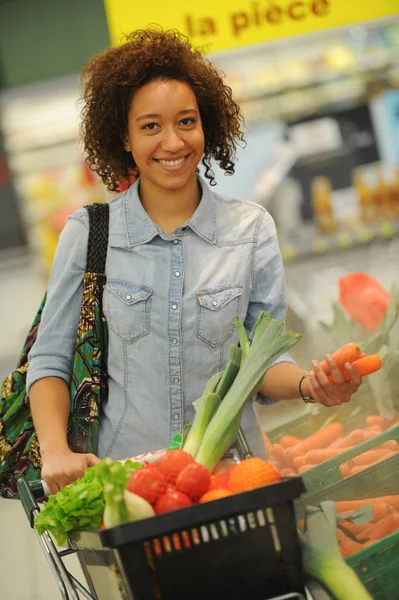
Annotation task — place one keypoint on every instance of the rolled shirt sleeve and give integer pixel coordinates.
(268, 284)
(53, 351)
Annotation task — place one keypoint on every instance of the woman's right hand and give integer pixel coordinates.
(61, 468)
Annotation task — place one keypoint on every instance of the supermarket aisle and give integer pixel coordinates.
(24, 573)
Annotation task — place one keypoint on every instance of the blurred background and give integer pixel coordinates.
(322, 130)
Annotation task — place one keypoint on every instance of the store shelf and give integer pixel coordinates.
(374, 70)
(310, 242)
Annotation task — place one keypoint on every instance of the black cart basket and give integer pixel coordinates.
(244, 546)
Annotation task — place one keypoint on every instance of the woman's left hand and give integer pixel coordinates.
(322, 390)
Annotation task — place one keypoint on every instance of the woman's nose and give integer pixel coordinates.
(172, 141)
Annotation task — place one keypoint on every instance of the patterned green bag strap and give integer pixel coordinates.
(89, 379)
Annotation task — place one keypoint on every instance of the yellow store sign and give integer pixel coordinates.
(222, 25)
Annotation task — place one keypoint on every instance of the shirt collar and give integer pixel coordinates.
(140, 229)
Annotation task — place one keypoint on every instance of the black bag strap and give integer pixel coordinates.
(98, 237)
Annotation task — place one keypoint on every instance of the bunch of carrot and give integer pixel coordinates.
(293, 456)
(352, 353)
(353, 538)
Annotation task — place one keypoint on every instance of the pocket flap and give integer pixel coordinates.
(214, 299)
(128, 293)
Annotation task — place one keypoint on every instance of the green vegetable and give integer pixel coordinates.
(230, 372)
(215, 389)
(205, 411)
(242, 338)
(321, 556)
(80, 505)
(269, 342)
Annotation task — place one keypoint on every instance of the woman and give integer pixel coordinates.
(182, 261)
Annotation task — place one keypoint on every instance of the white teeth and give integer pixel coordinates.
(171, 163)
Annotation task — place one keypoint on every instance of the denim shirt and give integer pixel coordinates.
(170, 303)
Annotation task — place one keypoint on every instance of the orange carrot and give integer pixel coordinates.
(289, 440)
(372, 431)
(287, 472)
(370, 457)
(357, 468)
(347, 353)
(381, 510)
(345, 469)
(377, 420)
(391, 445)
(344, 506)
(356, 530)
(383, 528)
(346, 545)
(365, 366)
(321, 454)
(278, 454)
(354, 438)
(299, 461)
(319, 439)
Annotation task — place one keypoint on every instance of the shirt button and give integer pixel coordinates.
(175, 341)
(177, 273)
(175, 241)
(174, 306)
(128, 297)
(214, 303)
(176, 380)
(176, 416)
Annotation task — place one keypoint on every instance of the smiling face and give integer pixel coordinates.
(165, 135)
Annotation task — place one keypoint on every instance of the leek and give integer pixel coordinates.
(242, 338)
(322, 558)
(205, 411)
(215, 389)
(230, 372)
(268, 344)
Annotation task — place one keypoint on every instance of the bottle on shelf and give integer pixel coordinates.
(383, 197)
(366, 196)
(395, 194)
(322, 204)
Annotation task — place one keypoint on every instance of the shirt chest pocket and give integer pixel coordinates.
(128, 308)
(216, 313)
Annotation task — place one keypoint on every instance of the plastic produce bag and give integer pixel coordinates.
(364, 299)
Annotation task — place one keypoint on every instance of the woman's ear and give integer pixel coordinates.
(126, 145)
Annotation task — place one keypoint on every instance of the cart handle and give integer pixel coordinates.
(28, 493)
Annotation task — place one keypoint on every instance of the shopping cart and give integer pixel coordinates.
(243, 546)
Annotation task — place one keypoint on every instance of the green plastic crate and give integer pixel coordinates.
(378, 567)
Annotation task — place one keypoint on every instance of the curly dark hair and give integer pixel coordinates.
(111, 79)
